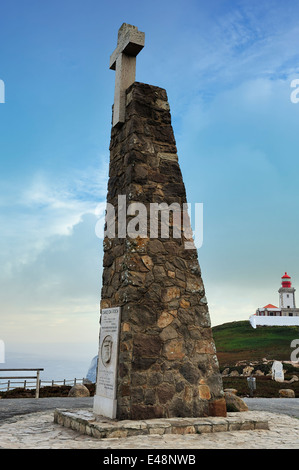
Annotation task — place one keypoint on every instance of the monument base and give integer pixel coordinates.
(103, 406)
(85, 422)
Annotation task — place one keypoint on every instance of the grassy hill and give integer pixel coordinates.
(237, 341)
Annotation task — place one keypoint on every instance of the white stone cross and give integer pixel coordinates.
(130, 41)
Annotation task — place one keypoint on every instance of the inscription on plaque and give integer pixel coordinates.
(108, 353)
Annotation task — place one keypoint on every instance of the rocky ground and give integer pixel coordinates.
(45, 392)
(235, 377)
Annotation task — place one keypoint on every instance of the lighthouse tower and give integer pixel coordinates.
(286, 315)
(286, 293)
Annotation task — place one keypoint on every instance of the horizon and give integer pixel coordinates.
(230, 70)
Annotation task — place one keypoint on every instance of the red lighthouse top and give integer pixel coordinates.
(286, 280)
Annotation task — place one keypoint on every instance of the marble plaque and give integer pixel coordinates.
(105, 398)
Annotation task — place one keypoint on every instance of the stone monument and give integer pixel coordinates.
(277, 371)
(157, 357)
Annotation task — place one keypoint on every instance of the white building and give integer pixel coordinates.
(285, 315)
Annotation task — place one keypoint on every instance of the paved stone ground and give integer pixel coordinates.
(289, 406)
(38, 431)
(20, 406)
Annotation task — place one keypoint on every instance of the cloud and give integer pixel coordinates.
(51, 257)
(242, 145)
(48, 206)
(224, 49)
(55, 296)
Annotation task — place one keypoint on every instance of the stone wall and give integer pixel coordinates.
(167, 361)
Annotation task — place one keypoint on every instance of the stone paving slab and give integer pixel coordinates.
(38, 431)
(85, 422)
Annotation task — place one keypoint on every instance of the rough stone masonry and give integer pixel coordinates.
(167, 364)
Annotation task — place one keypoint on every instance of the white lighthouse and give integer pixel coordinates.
(287, 294)
(285, 315)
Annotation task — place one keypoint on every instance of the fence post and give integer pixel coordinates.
(37, 385)
(8, 384)
(75, 381)
(25, 381)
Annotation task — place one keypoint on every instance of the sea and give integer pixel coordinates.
(56, 367)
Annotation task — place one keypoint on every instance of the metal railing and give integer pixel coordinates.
(24, 377)
(25, 384)
(52, 383)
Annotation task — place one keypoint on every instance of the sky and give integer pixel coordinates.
(227, 67)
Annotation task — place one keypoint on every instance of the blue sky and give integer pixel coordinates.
(227, 67)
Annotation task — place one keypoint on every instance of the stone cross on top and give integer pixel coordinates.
(130, 41)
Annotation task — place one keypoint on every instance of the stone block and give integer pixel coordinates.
(174, 349)
(220, 427)
(204, 392)
(217, 407)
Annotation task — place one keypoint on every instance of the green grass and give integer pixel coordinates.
(272, 342)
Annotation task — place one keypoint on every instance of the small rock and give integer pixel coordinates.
(234, 373)
(79, 390)
(286, 393)
(231, 390)
(293, 379)
(247, 371)
(234, 403)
